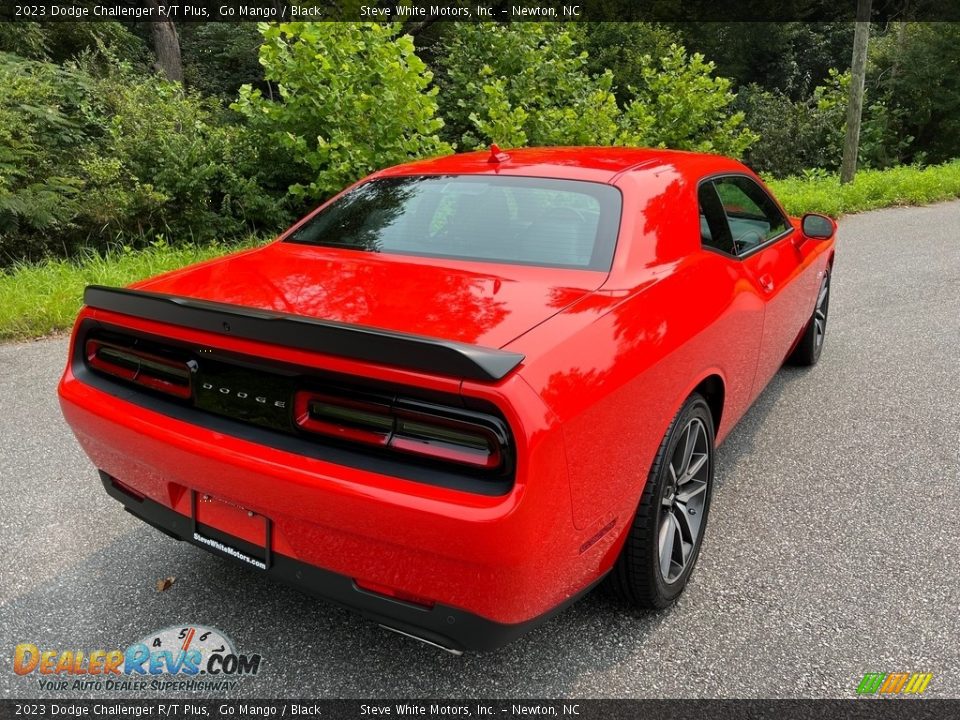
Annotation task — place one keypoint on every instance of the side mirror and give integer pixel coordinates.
(818, 227)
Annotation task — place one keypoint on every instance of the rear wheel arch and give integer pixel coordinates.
(712, 386)
(713, 390)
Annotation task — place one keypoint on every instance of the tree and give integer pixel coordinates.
(350, 98)
(789, 57)
(913, 78)
(620, 47)
(530, 84)
(220, 57)
(680, 104)
(851, 144)
(166, 42)
(523, 83)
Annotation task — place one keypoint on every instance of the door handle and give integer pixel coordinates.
(766, 282)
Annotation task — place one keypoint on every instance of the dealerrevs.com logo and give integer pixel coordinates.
(177, 658)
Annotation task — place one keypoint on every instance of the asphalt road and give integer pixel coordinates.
(833, 547)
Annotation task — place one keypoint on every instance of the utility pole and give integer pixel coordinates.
(858, 71)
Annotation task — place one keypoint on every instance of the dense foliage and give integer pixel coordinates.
(914, 88)
(97, 149)
(532, 84)
(44, 117)
(790, 57)
(796, 135)
(523, 84)
(92, 153)
(220, 57)
(348, 99)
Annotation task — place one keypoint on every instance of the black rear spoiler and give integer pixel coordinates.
(413, 352)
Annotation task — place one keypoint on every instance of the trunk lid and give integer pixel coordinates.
(478, 303)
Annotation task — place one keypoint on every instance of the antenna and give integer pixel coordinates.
(497, 155)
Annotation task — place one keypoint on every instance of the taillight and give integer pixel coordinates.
(446, 439)
(357, 420)
(166, 375)
(452, 436)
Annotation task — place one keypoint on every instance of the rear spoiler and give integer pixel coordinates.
(412, 352)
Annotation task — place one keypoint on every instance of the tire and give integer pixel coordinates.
(638, 576)
(808, 350)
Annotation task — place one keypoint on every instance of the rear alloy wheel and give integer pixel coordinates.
(664, 541)
(810, 346)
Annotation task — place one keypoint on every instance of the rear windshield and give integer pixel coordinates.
(531, 221)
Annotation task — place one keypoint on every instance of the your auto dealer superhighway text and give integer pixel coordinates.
(163, 710)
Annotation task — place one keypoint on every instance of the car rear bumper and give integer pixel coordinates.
(488, 567)
(449, 628)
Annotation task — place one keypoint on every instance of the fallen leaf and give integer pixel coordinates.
(165, 583)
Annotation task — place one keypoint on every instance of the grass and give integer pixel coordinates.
(40, 298)
(870, 189)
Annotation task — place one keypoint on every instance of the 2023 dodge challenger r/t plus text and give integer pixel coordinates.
(465, 390)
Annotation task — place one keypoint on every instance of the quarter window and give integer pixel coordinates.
(737, 216)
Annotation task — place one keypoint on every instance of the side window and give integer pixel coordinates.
(752, 217)
(714, 230)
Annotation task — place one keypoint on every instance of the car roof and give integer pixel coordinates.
(597, 164)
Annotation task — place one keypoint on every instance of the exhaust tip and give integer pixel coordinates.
(452, 651)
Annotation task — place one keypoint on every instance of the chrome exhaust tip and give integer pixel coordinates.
(431, 643)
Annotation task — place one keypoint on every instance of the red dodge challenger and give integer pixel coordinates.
(464, 391)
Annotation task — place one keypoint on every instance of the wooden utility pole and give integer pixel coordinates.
(858, 71)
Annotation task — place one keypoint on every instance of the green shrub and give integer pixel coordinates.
(794, 136)
(530, 84)
(680, 104)
(621, 47)
(914, 75)
(45, 116)
(172, 163)
(524, 84)
(93, 151)
(349, 98)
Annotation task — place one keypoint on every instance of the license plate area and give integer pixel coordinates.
(231, 530)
